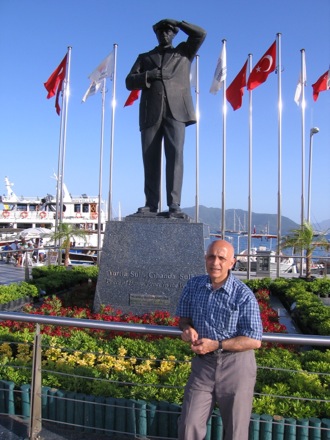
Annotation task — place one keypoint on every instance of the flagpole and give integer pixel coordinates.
(113, 104)
(99, 213)
(303, 148)
(279, 197)
(58, 177)
(250, 175)
(224, 148)
(62, 144)
(66, 92)
(197, 140)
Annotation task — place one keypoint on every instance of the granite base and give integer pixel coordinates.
(145, 263)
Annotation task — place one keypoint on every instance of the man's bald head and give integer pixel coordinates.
(218, 244)
(219, 258)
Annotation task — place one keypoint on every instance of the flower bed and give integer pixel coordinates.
(153, 368)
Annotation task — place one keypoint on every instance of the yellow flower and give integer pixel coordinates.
(119, 366)
(122, 351)
(24, 353)
(103, 368)
(89, 359)
(5, 350)
(166, 366)
(144, 367)
(107, 360)
(71, 359)
(53, 354)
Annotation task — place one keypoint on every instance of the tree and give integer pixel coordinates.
(305, 239)
(65, 234)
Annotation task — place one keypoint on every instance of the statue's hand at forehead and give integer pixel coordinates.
(167, 22)
(171, 21)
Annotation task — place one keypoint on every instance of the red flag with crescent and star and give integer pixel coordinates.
(235, 90)
(263, 68)
(322, 84)
(55, 82)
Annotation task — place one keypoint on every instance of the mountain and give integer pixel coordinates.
(323, 226)
(236, 220)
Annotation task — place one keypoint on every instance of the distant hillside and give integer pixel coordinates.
(323, 226)
(236, 220)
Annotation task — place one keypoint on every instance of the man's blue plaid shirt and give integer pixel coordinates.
(220, 314)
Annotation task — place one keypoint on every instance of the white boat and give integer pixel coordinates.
(287, 263)
(19, 213)
(83, 257)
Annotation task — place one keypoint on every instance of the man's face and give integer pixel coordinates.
(219, 260)
(165, 36)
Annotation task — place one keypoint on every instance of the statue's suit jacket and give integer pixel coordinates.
(175, 84)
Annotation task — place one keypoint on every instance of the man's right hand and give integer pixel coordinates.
(154, 74)
(189, 334)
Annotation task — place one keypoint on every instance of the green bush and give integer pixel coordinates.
(311, 315)
(258, 283)
(287, 383)
(319, 286)
(16, 291)
(54, 279)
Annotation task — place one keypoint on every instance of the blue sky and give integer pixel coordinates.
(34, 36)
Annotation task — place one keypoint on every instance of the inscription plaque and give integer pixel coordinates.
(144, 299)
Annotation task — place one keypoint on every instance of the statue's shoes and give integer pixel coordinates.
(174, 209)
(147, 210)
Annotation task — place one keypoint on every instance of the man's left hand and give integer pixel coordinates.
(204, 345)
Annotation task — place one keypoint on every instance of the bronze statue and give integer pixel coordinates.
(166, 108)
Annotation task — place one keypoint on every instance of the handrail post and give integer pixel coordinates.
(36, 409)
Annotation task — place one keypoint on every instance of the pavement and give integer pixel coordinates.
(284, 316)
(9, 273)
(13, 428)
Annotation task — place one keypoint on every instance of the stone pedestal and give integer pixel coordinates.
(146, 262)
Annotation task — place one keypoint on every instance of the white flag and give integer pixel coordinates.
(220, 73)
(301, 83)
(103, 70)
(92, 90)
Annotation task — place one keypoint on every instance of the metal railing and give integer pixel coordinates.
(36, 394)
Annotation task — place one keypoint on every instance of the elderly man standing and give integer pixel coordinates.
(220, 318)
(166, 108)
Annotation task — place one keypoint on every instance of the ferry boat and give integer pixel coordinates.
(19, 213)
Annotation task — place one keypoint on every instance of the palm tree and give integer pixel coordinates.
(65, 234)
(305, 239)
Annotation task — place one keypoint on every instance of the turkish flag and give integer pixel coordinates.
(323, 83)
(235, 91)
(133, 96)
(55, 82)
(263, 68)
